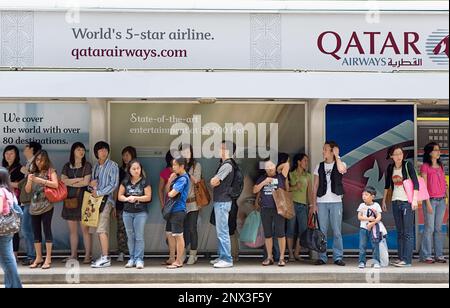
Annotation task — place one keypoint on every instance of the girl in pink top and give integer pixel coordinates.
(433, 173)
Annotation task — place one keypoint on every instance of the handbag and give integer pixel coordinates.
(284, 203)
(313, 238)
(202, 196)
(10, 224)
(55, 195)
(408, 185)
(72, 203)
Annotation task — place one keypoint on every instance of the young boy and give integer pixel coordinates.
(369, 214)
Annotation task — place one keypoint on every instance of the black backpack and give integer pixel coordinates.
(237, 185)
(313, 238)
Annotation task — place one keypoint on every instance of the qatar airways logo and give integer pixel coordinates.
(437, 47)
(371, 48)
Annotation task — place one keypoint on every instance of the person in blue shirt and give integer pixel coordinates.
(178, 187)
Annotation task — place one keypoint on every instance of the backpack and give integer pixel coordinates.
(237, 186)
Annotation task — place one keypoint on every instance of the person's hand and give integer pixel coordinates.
(268, 181)
(370, 226)
(314, 209)
(93, 184)
(31, 177)
(384, 206)
(132, 199)
(414, 205)
(114, 212)
(94, 193)
(172, 177)
(429, 208)
(336, 151)
(371, 219)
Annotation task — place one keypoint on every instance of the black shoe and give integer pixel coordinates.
(339, 263)
(27, 262)
(319, 262)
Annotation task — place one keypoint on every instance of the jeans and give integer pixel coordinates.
(222, 212)
(8, 263)
(433, 230)
(121, 234)
(404, 222)
(190, 230)
(364, 238)
(27, 231)
(135, 225)
(300, 221)
(331, 213)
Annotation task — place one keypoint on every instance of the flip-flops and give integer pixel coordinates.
(174, 266)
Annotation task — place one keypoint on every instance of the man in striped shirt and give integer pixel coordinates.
(105, 182)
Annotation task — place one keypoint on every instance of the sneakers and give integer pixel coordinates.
(223, 264)
(402, 264)
(339, 263)
(441, 260)
(376, 266)
(140, 265)
(102, 262)
(395, 261)
(214, 262)
(428, 261)
(362, 265)
(121, 257)
(130, 264)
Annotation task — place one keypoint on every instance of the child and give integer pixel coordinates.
(369, 214)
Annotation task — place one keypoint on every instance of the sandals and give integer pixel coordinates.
(36, 264)
(268, 262)
(174, 266)
(46, 266)
(168, 262)
(87, 260)
(281, 263)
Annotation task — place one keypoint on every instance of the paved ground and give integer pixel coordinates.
(248, 271)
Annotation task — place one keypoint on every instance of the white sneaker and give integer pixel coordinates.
(102, 262)
(402, 264)
(376, 266)
(223, 264)
(130, 264)
(121, 257)
(362, 265)
(140, 265)
(214, 262)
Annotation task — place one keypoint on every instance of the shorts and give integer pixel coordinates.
(175, 223)
(274, 225)
(104, 219)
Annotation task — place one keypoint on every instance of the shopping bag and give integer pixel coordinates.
(90, 211)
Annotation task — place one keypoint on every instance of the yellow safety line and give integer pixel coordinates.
(432, 119)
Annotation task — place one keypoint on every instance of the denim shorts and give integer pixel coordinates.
(175, 223)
